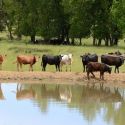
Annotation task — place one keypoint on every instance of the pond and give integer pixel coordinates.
(47, 104)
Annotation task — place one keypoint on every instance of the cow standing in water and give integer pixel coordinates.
(25, 59)
(2, 58)
(95, 66)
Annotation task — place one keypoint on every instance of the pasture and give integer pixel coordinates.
(16, 47)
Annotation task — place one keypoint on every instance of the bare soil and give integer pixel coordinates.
(60, 78)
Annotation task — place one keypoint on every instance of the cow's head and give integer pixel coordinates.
(60, 57)
(70, 56)
(85, 58)
(37, 58)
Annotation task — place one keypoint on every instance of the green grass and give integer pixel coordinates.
(14, 48)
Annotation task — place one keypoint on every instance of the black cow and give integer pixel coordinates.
(88, 58)
(52, 60)
(112, 60)
(96, 66)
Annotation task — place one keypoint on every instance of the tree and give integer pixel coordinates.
(9, 13)
(2, 24)
(81, 20)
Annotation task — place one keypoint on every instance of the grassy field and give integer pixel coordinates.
(14, 48)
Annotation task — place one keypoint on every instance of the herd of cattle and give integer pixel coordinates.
(90, 62)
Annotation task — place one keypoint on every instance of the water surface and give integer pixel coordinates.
(38, 104)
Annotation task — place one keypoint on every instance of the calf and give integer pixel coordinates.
(112, 60)
(25, 59)
(66, 60)
(95, 66)
(88, 58)
(52, 60)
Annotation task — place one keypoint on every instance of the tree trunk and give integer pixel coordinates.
(9, 27)
(11, 36)
(73, 41)
(106, 42)
(94, 41)
(116, 41)
(99, 42)
(80, 41)
(19, 35)
(32, 38)
(67, 38)
(111, 41)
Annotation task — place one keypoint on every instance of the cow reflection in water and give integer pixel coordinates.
(58, 93)
(27, 93)
(100, 94)
(1, 94)
(66, 94)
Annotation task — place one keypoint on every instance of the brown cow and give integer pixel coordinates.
(2, 58)
(95, 66)
(25, 59)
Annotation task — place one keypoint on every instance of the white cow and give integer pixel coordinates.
(66, 60)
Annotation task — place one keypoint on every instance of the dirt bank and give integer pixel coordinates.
(59, 77)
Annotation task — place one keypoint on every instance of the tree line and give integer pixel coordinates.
(64, 20)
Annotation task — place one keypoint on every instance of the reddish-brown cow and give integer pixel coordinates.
(26, 59)
(95, 66)
(2, 58)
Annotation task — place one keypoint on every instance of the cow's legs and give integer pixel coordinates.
(88, 75)
(58, 67)
(102, 75)
(0, 66)
(44, 67)
(31, 68)
(66, 68)
(93, 74)
(84, 68)
(115, 69)
(21, 67)
(70, 67)
(17, 66)
(118, 69)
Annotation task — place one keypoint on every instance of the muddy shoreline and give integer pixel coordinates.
(60, 78)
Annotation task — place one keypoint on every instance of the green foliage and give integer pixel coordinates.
(65, 19)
